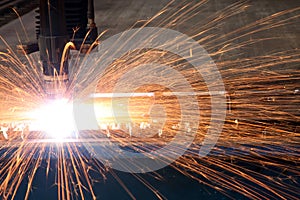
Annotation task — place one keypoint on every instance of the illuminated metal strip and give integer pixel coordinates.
(152, 94)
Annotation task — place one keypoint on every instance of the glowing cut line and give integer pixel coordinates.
(152, 94)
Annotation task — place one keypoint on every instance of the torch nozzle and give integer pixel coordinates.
(55, 88)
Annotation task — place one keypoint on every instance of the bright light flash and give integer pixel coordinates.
(56, 119)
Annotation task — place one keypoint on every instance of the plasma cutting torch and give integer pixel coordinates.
(56, 23)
